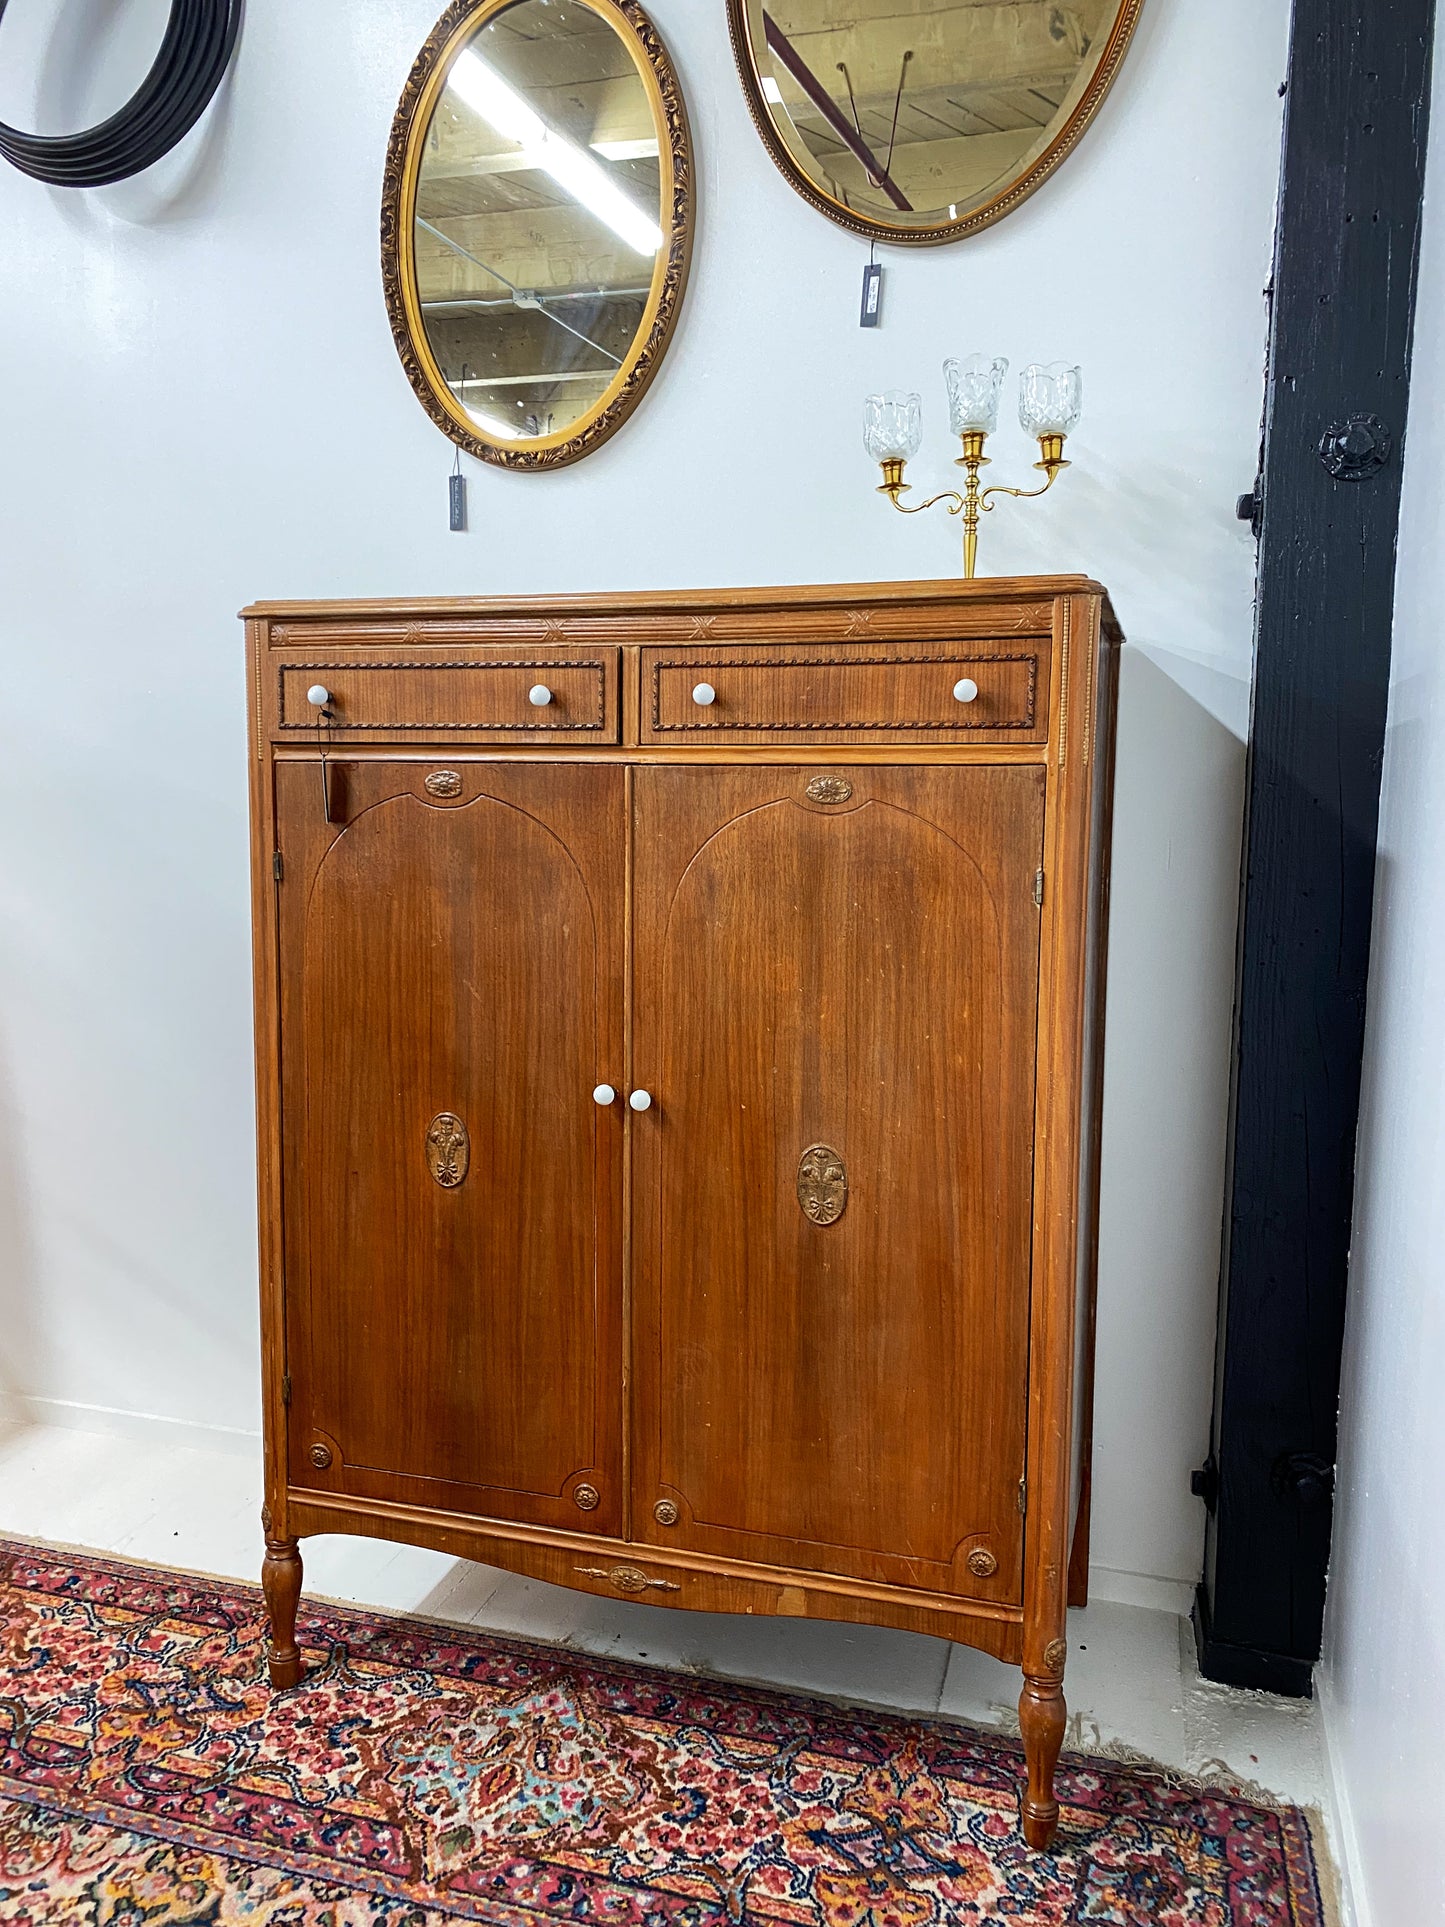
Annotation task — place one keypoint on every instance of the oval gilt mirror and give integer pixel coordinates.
(536, 223)
(924, 120)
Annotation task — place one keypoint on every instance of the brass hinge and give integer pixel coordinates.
(286, 1389)
(1023, 1496)
(278, 868)
(1038, 889)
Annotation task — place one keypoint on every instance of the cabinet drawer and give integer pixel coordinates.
(848, 693)
(459, 693)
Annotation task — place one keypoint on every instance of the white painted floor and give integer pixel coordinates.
(1132, 1680)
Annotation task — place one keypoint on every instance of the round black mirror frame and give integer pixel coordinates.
(1018, 190)
(425, 84)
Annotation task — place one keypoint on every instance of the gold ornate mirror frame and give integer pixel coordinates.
(425, 85)
(790, 162)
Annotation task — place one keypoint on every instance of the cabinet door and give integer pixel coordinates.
(451, 991)
(836, 988)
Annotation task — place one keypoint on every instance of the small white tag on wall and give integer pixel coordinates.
(872, 314)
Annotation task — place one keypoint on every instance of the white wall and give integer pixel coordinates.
(200, 404)
(1383, 1681)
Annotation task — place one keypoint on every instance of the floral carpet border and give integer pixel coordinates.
(445, 1774)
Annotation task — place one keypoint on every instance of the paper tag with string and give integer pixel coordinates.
(458, 489)
(872, 313)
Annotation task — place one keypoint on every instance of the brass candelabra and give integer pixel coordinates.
(1049, 406)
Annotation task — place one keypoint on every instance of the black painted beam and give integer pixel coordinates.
(1357, 109)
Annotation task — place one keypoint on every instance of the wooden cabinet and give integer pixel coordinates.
(678, 1145)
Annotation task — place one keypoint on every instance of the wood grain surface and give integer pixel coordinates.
(848, 1396)
(457, 1346)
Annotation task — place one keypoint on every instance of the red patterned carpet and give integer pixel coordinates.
(149, 1778)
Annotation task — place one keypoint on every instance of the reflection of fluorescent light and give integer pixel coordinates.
(489, 95)
(626, 150)
(489, 424)
(772, 92)
(492, 424)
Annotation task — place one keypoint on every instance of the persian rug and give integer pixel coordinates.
(423, 1775)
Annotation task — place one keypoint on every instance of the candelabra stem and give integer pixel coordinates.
(972, 460)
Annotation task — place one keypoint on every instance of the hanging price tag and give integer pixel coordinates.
(872, 314)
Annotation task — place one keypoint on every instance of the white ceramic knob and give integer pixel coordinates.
(539, 695)
(704, 695)
(641, 1100)
(966, 689)
(318, 695)
(604, 1094)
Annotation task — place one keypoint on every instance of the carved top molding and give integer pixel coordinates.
(1010, 605)
(942, 622)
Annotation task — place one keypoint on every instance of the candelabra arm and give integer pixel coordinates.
(1051, 449)
(951, 496)
(1021, 494)
(894, 487)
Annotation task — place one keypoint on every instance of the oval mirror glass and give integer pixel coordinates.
(537, 223)
(924, 120)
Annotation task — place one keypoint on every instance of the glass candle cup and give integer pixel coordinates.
(1051, 398)
(893, 426)
(975, 383)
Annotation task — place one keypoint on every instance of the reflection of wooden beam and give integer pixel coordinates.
(603, 375)
(465, 304)
(821, 99)
(476, 167)
(524, 299)
(541, 250)
(937, 173)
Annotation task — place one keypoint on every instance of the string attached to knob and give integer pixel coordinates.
(319, 697)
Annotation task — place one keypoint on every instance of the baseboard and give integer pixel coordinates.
(1141, 1589)
(148, 1428)
(1355, 1909)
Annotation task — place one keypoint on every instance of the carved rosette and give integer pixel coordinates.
(1055, 1655)
(408, 131)
(829, 789)
(448, 1150)
(981, 1563)
(822, 1185)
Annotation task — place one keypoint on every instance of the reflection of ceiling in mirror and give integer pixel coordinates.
(537, 218)
(926, 107)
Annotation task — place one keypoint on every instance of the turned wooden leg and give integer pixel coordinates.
(1041, 1721)
(281, 1584)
